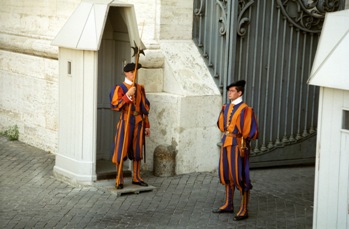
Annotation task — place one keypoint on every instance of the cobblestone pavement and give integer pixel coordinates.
(31, 197)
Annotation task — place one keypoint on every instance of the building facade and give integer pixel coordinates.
(184, 98)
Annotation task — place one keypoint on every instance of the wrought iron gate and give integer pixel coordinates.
(271, 44)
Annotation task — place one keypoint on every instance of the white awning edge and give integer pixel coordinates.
(84, 28)
(331, 62)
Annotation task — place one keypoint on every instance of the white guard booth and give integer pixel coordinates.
(94, 44)
(330, 71)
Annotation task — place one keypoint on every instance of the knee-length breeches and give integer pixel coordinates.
(233, 169)
(133, 140)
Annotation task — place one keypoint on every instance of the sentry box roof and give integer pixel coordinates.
(331, 63)
(84, 28)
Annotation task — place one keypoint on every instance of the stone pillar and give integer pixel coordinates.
(164, 161)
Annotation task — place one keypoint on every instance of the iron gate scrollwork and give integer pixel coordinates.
(307, 15)
(270, 44)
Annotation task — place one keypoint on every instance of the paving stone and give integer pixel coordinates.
(31, 197)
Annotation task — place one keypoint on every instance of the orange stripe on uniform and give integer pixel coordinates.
(221, 172)
(230, 165)
(227, 197)
(247, 122)
(236, 155)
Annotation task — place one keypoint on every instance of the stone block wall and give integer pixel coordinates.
(29, 95)
(176, 20)
(29, 68)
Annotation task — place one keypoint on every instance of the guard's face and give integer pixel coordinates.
(233, 93)
(130, 75)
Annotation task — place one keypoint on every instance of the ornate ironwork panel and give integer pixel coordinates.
(210, 31)
(270, 44)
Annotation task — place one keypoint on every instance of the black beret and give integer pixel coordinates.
(131, 67)
(240, 83)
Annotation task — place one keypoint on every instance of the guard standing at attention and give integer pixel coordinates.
(238, 124)
(132, 140)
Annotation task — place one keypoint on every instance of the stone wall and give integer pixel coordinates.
(29, 68)
(185, 112)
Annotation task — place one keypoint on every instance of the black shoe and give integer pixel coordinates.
(218, 210)
(140, 183)
(120, 186)
(240, 217)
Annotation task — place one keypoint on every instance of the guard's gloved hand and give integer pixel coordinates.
(131, 91)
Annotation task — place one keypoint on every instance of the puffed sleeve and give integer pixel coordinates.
(118, 98)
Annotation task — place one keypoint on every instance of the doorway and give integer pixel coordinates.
(114, 52)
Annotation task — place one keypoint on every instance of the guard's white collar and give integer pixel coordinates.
(127, 81)
(237, 101)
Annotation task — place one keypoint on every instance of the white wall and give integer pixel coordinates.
(76, 156)
(331, 194)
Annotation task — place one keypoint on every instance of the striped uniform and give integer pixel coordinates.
(239, 126)
(137, 123)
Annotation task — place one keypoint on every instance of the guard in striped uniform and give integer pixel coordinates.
(121, 97)
(238, 124)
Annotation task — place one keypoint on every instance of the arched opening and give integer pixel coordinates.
(114, 52)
